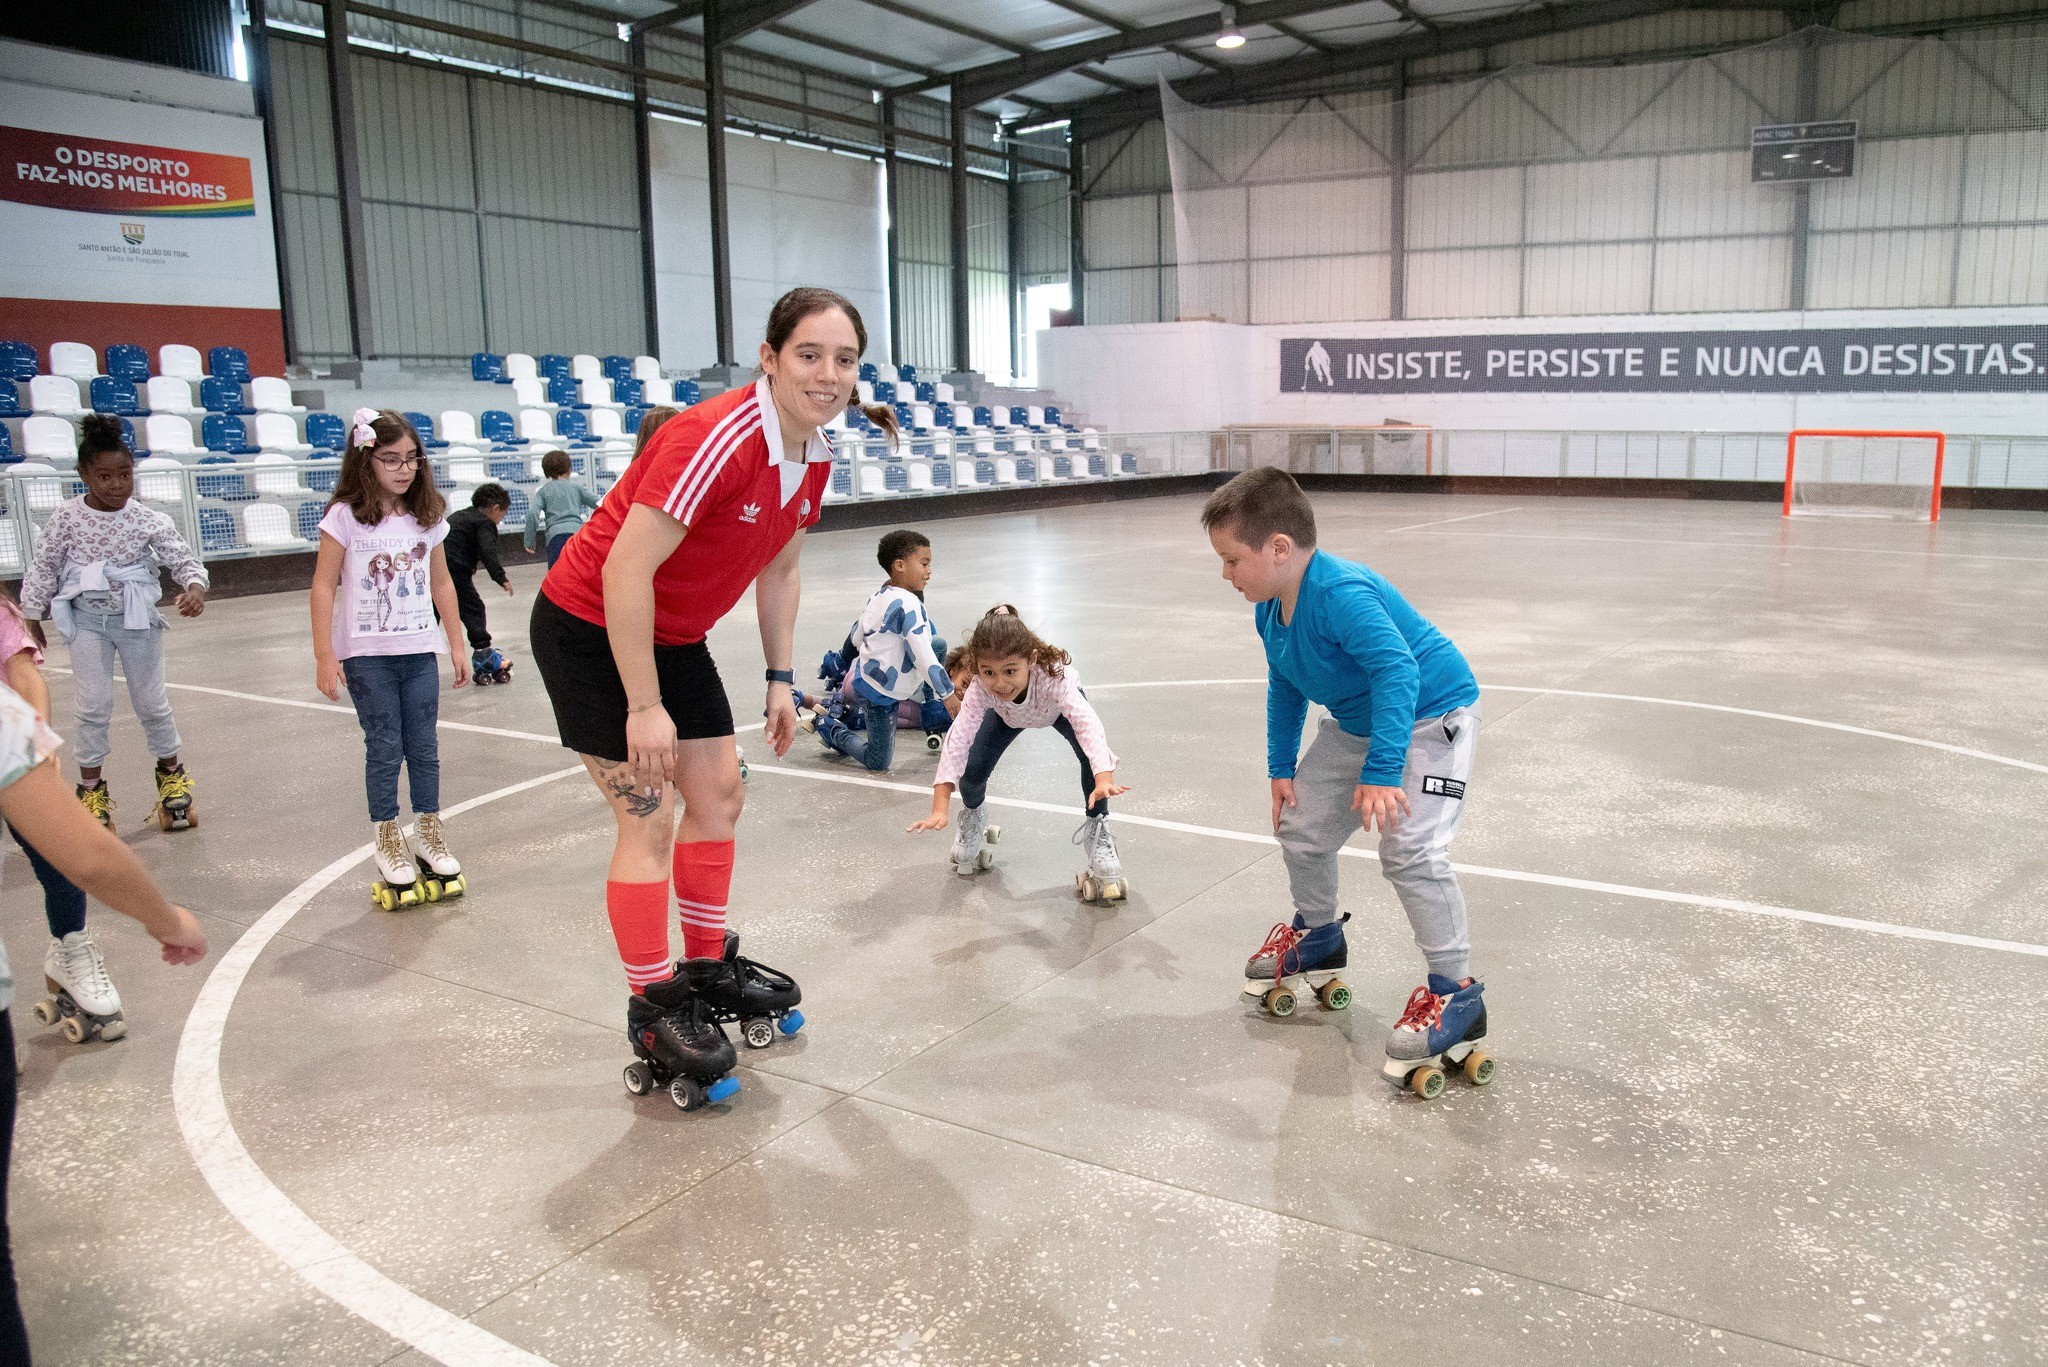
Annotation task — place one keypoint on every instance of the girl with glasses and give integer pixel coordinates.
(383, 611)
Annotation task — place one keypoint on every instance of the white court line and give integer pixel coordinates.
(1446, 521)
(1688, 899)
(263, 1209)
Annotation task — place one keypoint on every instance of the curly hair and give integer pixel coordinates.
(1002, 635)
(99, 434)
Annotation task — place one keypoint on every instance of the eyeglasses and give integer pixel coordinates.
(398, 462)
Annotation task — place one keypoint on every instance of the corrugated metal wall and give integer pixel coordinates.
(924, 262)
(498, 216)
(1604, 189)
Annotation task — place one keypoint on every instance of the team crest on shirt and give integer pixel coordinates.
(805, 509)
(750, 512)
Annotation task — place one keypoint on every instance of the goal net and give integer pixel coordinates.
(1864, 474)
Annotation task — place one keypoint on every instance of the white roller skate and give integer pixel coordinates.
(971, 844)
(82, 997)
(398, 883)
(1103, 880)
(441, 872)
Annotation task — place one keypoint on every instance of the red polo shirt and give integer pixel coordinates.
(714, 469)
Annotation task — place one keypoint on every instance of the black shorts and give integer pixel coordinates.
(576, 667)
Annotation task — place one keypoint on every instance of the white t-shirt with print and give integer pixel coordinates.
(386, 604)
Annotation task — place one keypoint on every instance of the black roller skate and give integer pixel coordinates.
(761, 1000)
(679, 1043)
(489, 666)
(174, 810)
(98, 801)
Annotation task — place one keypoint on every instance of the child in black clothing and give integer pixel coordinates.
(472, 542)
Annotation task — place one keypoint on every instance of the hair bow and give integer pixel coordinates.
(362, 433)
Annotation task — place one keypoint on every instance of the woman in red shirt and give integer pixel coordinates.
(718, 500)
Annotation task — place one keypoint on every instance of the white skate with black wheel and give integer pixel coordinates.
(973, 845)
(82, 998)
(440, 872)
(398, 881)
(1103, 880)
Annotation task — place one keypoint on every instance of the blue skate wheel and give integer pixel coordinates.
(791, 1023)
(725, 1089)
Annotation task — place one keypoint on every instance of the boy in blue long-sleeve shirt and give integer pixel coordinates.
(1395, 752)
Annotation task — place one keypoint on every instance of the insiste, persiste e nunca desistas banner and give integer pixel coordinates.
(1921, 360)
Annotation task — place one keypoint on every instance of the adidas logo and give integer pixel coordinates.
(750, 512)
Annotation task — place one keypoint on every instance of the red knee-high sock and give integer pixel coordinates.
(703, 870)
(639, 915)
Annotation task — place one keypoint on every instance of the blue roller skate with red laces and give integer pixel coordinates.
(1439, 1032)
(1296, 960)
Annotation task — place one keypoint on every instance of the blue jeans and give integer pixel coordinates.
(555, 544)
(874, 750)
(63, 900)
(398, 700)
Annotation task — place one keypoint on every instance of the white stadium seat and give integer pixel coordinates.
(179, 361)
(74, 359)
(269, 527)
(520, 366)
(169, 394)
(56, 395)
(279, 432)
(45, 438)
(159, 479)
(170, 435)
(528, 392)
(646, 370)
(270, 394)
(538, 425)
(458, 428)
(276, 474)
(586, 367)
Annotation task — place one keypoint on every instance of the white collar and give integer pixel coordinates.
(818, 448)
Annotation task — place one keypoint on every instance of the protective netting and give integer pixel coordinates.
(1864, 474)
(1543, 191)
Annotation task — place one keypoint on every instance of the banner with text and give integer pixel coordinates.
(1920, 360)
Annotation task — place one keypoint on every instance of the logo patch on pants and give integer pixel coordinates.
(1443, 787)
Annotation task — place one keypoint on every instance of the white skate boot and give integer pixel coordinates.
(398, 882)
(442, 871)
(82, 997)
(971, 853)
(1103, 879)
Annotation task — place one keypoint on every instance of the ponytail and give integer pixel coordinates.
(1002, 635)
(884, 417)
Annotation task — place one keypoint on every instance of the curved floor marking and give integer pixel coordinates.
(263, 1209)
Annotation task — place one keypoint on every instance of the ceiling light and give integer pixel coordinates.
(1230, 37)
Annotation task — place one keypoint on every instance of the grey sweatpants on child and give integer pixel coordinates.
(100, 641)
(1414, 856)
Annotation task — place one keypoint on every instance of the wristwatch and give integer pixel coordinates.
(782, 676)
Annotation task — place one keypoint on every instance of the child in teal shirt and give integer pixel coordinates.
(559, 507)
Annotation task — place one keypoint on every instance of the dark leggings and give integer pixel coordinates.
(63, 902)
(994, 738)
(13, 1333)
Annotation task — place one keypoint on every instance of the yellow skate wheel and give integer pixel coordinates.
(430, 889)
(1279, 1002)
(1478, 1068)
(1427, 1083)
(1335, 996)
(381, 895)
(455, 886)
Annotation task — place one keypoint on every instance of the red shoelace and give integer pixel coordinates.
(1280, 942)
(1425, 1010)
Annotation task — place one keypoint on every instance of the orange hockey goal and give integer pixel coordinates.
(1851, 472)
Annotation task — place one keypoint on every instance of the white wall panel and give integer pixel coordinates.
(1709, 194)
(1465, 208)
(1338, 217)
(1606, 277)
(1119, 232)
(1587, 201)
(1897, 183)
(1465, 284)
(1321, 289)
(1908, 268)
(2003, 266)
(1722, 274)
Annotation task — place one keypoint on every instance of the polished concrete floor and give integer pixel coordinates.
(1741, 1115)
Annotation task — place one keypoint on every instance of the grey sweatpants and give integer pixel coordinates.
(1414, 856)
(100, 641)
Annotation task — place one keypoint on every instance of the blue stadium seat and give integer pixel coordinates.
(217, 531)
(869, 372)
(7, 456)
(982, 417)
(574, 427)
(564, 392)
(1020, 417)
(487, 367)
(424, 426)
(322, 481)
(129, 439)
(110, 395)
(1062, 467)
(924, 391)
(907, 373)
(631, 420)
(1127, 463)
(552, 365)
(942, 474)
(327, 431)
(508, 470)
(1053, 418)
(885, 391)
(126, 362)
(617, 369)
(218, 394)
(842, 479)
(499, 429)
(686, 392)
(10, 401)
(896, 479)
(1098, 465)
(228, 488)
(515, 518)
(942, 416)
(18, 361)
(629, 392)
(225, 433)
(310, 513)
(228, 363)
(1027, 469)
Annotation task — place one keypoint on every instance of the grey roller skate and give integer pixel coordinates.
(973, 843)
(1439, 1033)
(1295, 960)
(1103, 880)
(82, 997)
